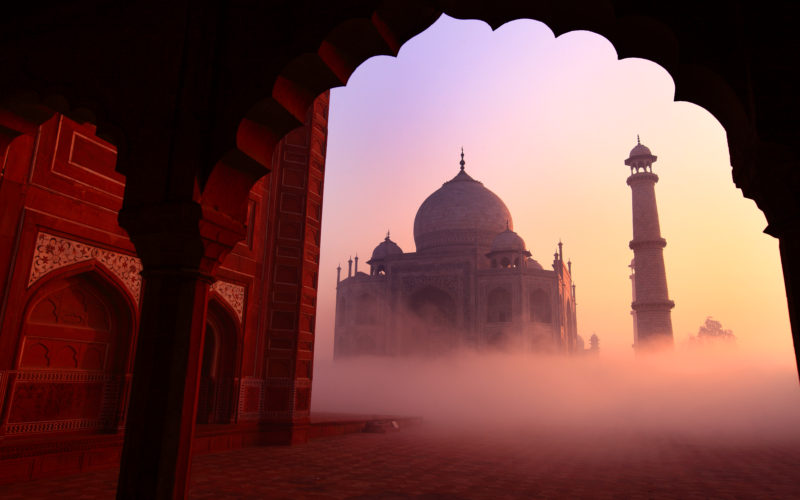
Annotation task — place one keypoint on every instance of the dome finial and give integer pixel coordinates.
(462, 158)
(387, 235)
(637, 139)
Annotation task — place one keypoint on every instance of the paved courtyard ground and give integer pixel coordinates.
(426, 462)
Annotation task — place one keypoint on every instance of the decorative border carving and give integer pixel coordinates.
(233, 294)
(260, 386)
(448, 283)
(53, 426)
(54, 252)
(111, 387)
(62, 376)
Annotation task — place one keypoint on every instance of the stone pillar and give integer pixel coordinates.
(790, 260)
(178, 261)
(296, 184)
(651, 303)
(770, 179)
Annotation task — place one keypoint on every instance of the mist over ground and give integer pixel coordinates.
(698, 394)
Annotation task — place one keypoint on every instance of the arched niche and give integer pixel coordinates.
(367, 309)
(540, 306)
(216, 396)
(433, 306)
(430, 326)
(74, 354)
(341, 311)
(498, 305)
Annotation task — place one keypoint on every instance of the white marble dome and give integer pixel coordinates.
(508, 241)
(386, 248)
(533, 264)
(460, 213)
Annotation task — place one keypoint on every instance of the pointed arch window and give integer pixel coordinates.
(498, 308)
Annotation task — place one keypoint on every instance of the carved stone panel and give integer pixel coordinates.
(54, 252)
(233, 294)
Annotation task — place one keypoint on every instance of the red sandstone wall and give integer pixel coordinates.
(59, 199)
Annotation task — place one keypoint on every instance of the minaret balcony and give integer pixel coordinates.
(642, 176)
(643, 244)
(654, 305)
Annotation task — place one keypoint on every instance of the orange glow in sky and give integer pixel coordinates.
(546, 123)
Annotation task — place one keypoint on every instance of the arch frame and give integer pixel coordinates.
(443, 300)
(499, 301)
(112, 411)
(272, 99)
(107, 277)
(218, 308)
(274, 89)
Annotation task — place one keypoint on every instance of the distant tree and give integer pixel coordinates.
(712, 332)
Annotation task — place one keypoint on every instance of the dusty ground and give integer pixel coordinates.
(428, 462)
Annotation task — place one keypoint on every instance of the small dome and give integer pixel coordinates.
(640, 150)
(386, 248)
(641, 158)
(533, 264)
(508, 241)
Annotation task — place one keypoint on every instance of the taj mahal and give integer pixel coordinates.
(470, 283)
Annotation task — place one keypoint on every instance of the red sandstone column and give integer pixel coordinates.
(296, 196)
(178, 261)
(651, 302)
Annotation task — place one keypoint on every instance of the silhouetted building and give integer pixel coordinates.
(651, 305)
(594, 344)
(470, 283)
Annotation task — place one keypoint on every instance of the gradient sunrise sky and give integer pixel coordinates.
(546, 123)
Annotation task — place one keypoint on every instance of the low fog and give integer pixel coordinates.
(701, 394)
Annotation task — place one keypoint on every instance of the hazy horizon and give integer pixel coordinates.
(703, 395)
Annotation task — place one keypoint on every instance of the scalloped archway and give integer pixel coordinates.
(198, 98)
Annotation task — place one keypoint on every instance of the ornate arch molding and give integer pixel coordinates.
(313, 46)
(357, 36)
(98, 271)
(52, 253)
(24, 109)
(99, 386)
(227, 312)
(231, 297)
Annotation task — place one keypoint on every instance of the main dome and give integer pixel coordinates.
(460, 213)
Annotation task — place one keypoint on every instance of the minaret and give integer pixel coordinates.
(633, 298)
(651, 304)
